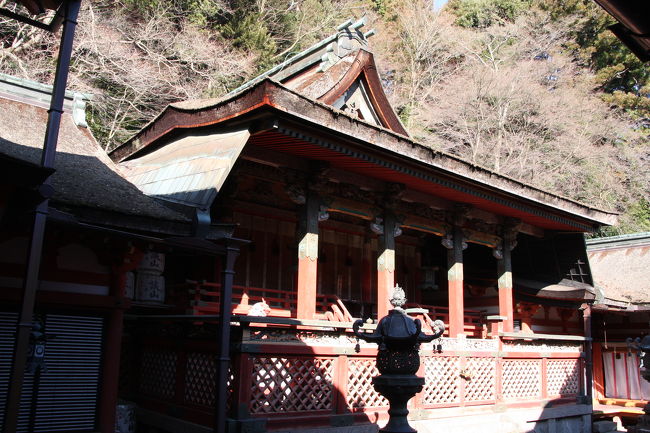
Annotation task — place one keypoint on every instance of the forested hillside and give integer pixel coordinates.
(537, 90)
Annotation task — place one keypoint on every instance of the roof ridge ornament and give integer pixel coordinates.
(305, 57)
(348, 39)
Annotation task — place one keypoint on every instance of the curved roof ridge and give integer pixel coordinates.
(348, 28)
(629, 237)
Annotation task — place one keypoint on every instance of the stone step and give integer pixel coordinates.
(603, 426)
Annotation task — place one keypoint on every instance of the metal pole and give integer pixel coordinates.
(60, 80)
(30, 284)
(223, 362)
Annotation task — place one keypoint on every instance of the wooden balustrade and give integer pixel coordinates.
(282, 303)
(474, 323)
(286, 375)
(206, 297)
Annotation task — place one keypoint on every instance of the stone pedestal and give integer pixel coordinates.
(643, 424)
(398, 389)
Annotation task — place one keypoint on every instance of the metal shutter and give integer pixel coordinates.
(7, 333)
(67, 391)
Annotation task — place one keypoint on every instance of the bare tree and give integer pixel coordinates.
(423, 52)
(534, 118)
(506, 97)
(26, 50)
(133, 66)
(137, 67)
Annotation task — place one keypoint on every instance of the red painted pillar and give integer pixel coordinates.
(598, 372)
(110, 374)
(110, 371)
(386, 265)
(590, 352)
(366, 272)
(455, 283)
(505, 287)
(242, 388)
(341, 385)
(307, 272)
(308, 258)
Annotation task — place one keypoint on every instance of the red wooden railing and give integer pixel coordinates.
(302, 382)
(282, 303)
(474, 323)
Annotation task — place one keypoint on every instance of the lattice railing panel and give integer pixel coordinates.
(200, 379)
(361, 393)
(481, 383)
(230, 386)
(127, 375)
(563, 377)
(441, 380)
(158, 374)
(522, 378)
(291, 384)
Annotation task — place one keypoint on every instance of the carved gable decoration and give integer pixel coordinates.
(356, 102)
(340, 71)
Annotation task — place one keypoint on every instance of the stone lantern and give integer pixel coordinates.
(398, 337)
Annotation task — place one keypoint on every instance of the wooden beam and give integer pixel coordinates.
(351, 207)
(424, 225)
(523, 336)
(411, 195)
(364, 182)
(282, 321)
(272, 158)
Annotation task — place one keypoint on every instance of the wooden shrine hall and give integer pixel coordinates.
(312, 165)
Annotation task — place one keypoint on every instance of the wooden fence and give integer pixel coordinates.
(286, 374)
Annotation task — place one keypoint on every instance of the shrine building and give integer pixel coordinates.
(621, 313)
(313, 166)
(205, 277)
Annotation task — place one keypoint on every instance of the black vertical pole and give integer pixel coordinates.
(34, 403)
(30, 282)
(60, 81)
(223, 361)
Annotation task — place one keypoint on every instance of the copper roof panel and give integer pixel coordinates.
(190, 170)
